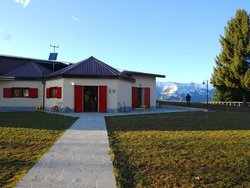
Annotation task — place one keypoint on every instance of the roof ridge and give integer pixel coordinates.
(74, 65)
(41, 68)
(36, 67)
(107, 66)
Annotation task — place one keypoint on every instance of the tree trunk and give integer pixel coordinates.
(244, 99)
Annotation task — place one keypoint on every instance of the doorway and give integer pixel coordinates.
(90, 98)
(138, 97)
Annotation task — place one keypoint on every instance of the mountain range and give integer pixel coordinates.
(178, 91)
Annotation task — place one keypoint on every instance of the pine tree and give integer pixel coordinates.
(221, 95)
(232, 71)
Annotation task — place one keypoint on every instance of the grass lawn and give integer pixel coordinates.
(24, 138)
(193, 149)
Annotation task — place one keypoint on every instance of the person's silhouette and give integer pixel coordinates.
(188, 98)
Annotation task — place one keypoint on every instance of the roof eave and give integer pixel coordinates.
(143, 74)
(29, 78)
(130, 79)
(7, 78)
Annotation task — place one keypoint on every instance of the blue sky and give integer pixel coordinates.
(179, 39)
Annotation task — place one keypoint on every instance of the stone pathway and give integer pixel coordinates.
(80, 157)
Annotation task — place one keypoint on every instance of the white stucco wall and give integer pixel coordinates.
(21, 102)
(124, 93)
(68, 90)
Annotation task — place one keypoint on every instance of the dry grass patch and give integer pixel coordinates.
(181, 149)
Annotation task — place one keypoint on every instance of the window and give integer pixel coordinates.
(54, 92)
(20, 92)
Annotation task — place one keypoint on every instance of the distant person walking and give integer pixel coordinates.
(188, 98)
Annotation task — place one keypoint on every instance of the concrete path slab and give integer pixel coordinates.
(80, 157)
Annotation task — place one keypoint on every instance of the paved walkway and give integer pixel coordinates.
(80, 157)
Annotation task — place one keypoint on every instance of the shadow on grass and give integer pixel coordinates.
(186, 121)
(146, 156)
(11, 169)
(35, 120)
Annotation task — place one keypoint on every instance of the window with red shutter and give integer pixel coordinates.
(20, 92)
(33, 93)
(7, 92)
(58, 92)
(54, 92)
(48, 93)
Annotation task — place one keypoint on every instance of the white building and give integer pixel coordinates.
(87, 86)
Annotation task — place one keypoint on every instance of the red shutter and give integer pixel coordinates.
(102, 99)
(33, 93)
(48, 93)
(58, 92)
(78, 101)
(147, 97)
(133, 97)
(7, 92)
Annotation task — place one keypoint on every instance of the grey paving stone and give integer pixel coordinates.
(75, 158)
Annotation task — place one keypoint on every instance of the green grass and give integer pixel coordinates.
(24, 138)
(193, 149)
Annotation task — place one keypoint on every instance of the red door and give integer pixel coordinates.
(78, 102)
(147, 97)
(133, 97)
(102, 99)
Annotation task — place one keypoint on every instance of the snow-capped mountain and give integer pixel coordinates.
(178, 91)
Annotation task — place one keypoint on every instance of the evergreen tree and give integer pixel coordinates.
(232, 71)
(221, 95)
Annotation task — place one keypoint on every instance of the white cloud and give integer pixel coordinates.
(23, 2)
(76, 19)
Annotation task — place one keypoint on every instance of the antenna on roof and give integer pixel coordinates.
(53, 46)
(53, 56)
